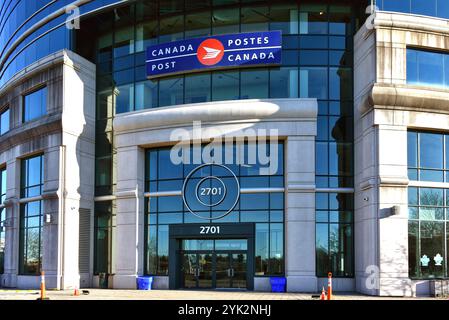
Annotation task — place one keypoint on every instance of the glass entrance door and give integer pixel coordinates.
(238, 266)
(197, 270)
(223, 272)
(189, 270)
(230, 270)
(217, 263)
(205, 270)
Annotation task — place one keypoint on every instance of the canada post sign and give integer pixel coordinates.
(215, 52)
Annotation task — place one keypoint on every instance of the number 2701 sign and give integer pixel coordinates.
(209, 230)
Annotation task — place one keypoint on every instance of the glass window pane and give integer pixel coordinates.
(198, 24)
(262, 249)
(322, 158)
(340, 84)
(284, 83)
(284, 18)
(424, 7)
(431, 150)
(413, 196)
(124, 98)
(4, 122)
(431, 197)
(151, 254)
(225, 21)
(35, 105)
(340, 20)
(276, 248)
(171, 29)
(146, 35)
(412, 149)
(322, 249)
(313, 57)
(225, 86)
(146, 95)
(313, 19)
(432, 246)
(198, 88)
(254, 19)
(254, 84)
(396, 5)
(124, 42)
(313, 82)
(162, 249)
(443, 9)
(171, 92)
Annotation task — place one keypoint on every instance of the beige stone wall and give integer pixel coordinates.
(385, 108)
(65, 136)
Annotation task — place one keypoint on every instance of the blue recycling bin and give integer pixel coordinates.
(144, 283)
(278, 284)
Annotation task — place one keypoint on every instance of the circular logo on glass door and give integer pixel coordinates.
(211, 191)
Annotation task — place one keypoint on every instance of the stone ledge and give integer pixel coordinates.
(221, 111)
(406, 98)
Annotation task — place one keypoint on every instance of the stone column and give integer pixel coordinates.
(393, 228)
(52, 244)
(300, 214)
(11, 225)
(130, 205)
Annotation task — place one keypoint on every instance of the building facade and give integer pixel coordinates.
(334, 160)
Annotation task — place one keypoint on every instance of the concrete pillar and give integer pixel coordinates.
(130, 205)
(393, 229)
(300, 214)
(11, 226)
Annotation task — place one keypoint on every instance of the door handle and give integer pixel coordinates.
(228, 271)
(232, 273)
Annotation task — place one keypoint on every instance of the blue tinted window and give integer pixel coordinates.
(396, 5)
(264, 209)
(35, 105)
(424, 7)
(431, 151)
(313, 82)
(438, 8)
(284, 83)
(443, 8)
(4, 121)
(427, 68)
(426, 156)
(32, 176)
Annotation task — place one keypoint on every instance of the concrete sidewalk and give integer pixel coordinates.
(102, 294)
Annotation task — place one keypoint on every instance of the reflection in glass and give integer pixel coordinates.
(4, 121)
(197, 88)
(313, 82)
(35, 105)
(225, 85)
(171, 92)
(313, 19)
(284, 83)
(31, 238)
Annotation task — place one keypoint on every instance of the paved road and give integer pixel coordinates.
(98, 294)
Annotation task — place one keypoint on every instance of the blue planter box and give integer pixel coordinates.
(278, 284)
(144, 283)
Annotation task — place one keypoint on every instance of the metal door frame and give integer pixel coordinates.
(179, 232)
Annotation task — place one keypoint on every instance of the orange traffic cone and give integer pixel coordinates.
(42, 289)
(323, 295)
(76, 292)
